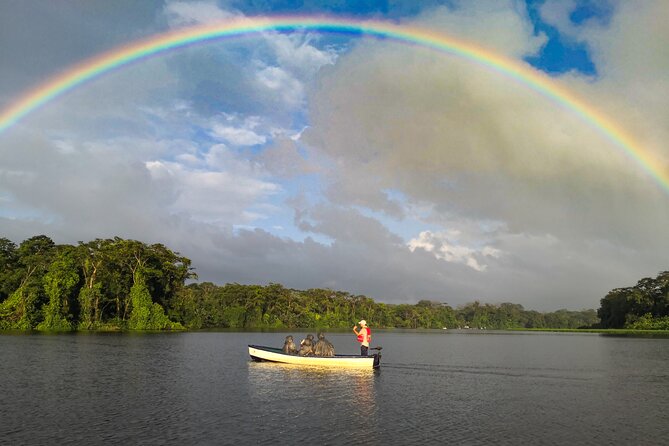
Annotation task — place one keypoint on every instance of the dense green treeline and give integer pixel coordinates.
(102, 284)
(644, 306)
(274, 306)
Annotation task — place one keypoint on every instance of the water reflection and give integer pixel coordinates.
(267, 378)
(320, 398)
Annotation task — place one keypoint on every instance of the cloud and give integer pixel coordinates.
(482, 148)
(502, 27)
(266, 74)
(347, 227)
(630, 56)
(283, 159)
(558, 13)
(419, 175)
(298, 53)
(281, 82)
(443, 246)
(237, 133)
(446, 131)
(222, 197)
(42, 40)
(180, 13)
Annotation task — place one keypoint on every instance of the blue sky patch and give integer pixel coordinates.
(561, 53)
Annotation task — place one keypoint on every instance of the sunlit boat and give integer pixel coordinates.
(261, 353)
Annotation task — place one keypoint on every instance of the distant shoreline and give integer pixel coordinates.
(607, 331)
(603, 331)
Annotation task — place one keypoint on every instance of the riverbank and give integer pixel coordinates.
(605, 331)
(115, 329)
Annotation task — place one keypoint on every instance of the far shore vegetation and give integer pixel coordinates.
(606, 331)
(117, 284)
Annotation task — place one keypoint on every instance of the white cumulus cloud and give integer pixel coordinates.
(444, 246)
(182, 13)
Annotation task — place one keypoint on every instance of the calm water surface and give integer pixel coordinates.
(435, 387)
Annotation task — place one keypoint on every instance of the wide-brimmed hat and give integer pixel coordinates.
(363, 322)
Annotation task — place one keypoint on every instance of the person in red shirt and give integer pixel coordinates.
(364, 336)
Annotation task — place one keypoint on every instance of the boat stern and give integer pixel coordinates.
(377, 360)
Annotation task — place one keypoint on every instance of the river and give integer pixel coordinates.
(434, 387)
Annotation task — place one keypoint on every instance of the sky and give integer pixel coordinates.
(348, 162)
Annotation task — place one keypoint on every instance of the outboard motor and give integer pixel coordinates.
(377, 358)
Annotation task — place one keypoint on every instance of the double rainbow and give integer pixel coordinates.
(162, 43)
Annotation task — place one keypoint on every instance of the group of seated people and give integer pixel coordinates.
(321, 347)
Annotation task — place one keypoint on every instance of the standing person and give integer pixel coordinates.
(364, 336)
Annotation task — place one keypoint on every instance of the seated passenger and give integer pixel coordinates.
(289, 346)
(307, 346)
(323, 347)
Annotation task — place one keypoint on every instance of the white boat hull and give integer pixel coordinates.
(260, 353)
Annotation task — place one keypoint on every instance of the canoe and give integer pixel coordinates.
(271, 354)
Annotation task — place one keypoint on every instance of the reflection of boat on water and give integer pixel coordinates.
(297, 393)
(261, 353)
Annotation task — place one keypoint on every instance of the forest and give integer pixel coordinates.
(644, 306)
(274, 306)
(98, 285)
(119, 284)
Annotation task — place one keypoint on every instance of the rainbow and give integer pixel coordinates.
(162, 43)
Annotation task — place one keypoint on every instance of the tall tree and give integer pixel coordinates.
(60, 281)
(21, 309)
(9, 277)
